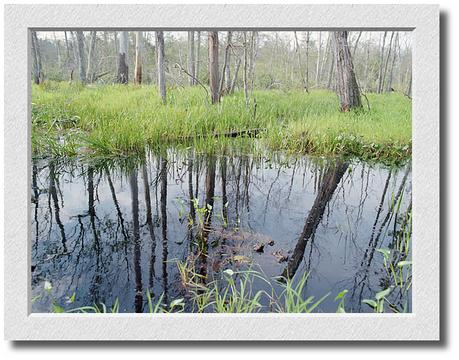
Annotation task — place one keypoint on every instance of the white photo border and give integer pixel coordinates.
(422, 324)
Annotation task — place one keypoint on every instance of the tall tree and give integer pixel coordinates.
(213, 66)
(36, 56)
(346, 86)
(190, 58)
(123, 69)
(160, 62)
(81, 58)
(138, 58)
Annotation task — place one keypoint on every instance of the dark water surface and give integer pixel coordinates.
(103, 231)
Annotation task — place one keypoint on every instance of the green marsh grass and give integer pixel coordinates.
(114, 120)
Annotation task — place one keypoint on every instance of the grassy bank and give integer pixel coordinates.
(122, 120)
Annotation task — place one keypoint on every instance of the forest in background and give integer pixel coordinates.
(275, 60)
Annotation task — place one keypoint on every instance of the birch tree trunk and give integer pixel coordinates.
(346, 86)
(92, 46)
(81, 59)
(191, 59)
(213, 66)
(36, 55)
(123, 69)
(138, 58)
(160, 59)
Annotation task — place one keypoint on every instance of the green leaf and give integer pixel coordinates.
(382, 294)
(401, 264)
(370, 302)
(57, 308)
(385, 252)
(341, 295)
(176, 302)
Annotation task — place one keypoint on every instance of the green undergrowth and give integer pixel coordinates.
(119, 120)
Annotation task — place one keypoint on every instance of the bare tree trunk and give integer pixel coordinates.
(319, 54)
(213, 66)
(225, 80)
(381, 63)
(92, 46)
(307, 61)
(138, 58)
(246, 92)
(326, 55)
(123, 69)
(367, 67)
(198, 50)
(160, 57)
(394, 58)
(347, 88)
(356, 43)
(81, 59)
(332, 68)
(228, 61)
(300, 69)
(191, 59)
(236, 71)
(408, 88)
(253, 56)
(37, 72)
(387, 62)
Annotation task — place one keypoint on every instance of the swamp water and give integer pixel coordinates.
(103, 232)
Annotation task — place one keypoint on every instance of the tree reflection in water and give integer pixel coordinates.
(104, 233)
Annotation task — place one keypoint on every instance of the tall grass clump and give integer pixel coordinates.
(121, 120)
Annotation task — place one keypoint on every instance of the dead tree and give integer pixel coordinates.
(160, 59)
(198, 50)
(300, 68)
(123, 69)
(81, 59)
(319, 54)
(92, 46)
(225, 80)
(381, 64)
(191, 59)
(346, 83)
(36, 55)
(138, 58)
(213, 66)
